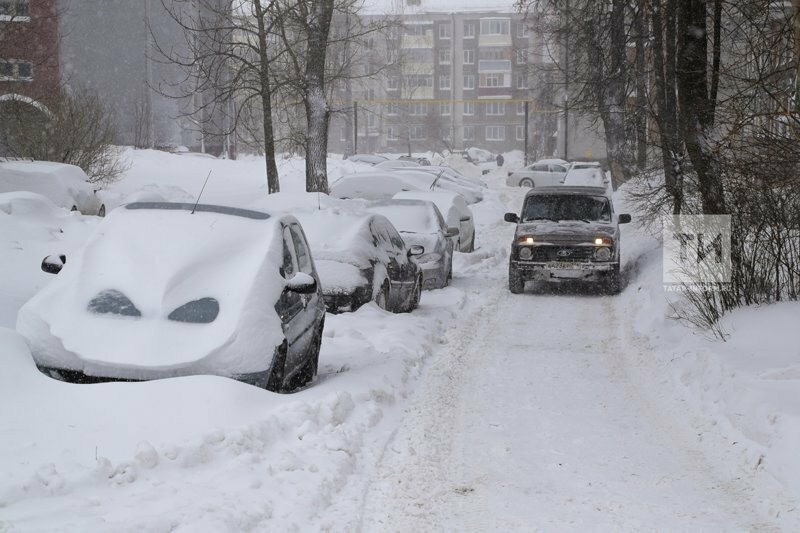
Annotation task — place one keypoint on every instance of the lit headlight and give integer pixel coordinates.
(602, 254)
(525, 253)
(525, 239)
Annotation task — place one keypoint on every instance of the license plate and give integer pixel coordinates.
(566, 266)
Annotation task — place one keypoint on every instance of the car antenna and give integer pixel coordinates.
(201, 193)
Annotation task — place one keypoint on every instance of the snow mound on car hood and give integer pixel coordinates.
(160, 260)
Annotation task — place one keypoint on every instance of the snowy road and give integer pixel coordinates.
(528, 419)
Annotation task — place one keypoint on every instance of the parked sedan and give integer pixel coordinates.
(361, 258)
(420, 223)
(455, 211)
(374, 185)
(64, 185)
(543, 173)
(425, 179)
(163, 290)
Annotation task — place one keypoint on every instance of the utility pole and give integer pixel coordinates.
(566, 86)
(148, 58)
(355, 127)
(526, 131)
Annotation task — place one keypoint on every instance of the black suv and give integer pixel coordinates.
(566, 233)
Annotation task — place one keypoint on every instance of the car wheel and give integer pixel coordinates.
(471, 247)
(275, 382)
(415, 296)
(515, 282)
(526, 182)
(449, 275)
(102, 211)
(382, 299)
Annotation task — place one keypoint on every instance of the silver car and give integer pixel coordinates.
(543, 173)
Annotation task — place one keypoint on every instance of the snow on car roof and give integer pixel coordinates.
(409, 216)
(160, 259)
(566, 189)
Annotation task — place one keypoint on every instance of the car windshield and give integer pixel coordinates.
(559, 207)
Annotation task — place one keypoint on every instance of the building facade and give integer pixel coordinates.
(29, 69)
(450, 81)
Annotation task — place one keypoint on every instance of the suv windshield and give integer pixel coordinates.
(566, 207)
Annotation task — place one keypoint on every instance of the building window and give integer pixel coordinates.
(469, 30)
(419, 80)
(469, 81)
(493, 79)
(469, 133)
(520, 133)
(392, 109)
(391, 133)
(19, 10)
(521, 56)
(444, 31)
(469, 108)
(444, 56)
(495, 109)
(522, 30)
(521, 108)
(15, 70)
(522, 81)
(417, 133)
(495, 133)
(444, 81)
(445, 133)
(418, 30)
(393, 83)
(372, 120)
(444, 109)
(419, 109)
(495, 27)
(469, 57)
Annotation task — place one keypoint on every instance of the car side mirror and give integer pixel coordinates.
(624, 219)
(511, 217)
(52, 264)
(416, 249)
(302, 283)
(452, 232)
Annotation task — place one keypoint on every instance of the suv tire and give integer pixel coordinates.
(515, 282)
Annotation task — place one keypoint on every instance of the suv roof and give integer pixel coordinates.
(588, 191)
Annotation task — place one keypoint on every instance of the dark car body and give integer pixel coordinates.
(566, 233)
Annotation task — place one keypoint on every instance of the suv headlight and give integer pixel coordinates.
(602, 254)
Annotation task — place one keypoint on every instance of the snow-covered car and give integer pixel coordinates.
(64, 185)
(543, 173)
(394, 164)
(585, 177)
(421, 161)
(361, 258)
(455, 211)
(163, 290)
(471, 190)
(372, 185)
(479, 155)
(425, 179)
(566, 233)
(420, 223)
(371, 159)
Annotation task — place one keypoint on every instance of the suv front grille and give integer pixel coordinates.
(562, 254)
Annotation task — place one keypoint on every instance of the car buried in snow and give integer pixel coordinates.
(163, 290)
(566, 233)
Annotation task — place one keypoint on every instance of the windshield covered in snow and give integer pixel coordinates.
(558, 207)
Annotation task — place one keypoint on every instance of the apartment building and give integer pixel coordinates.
(29, 69)
(452, 80)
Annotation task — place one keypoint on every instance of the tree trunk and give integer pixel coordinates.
(613, 102)
(641, 88)
(696, 108)
(273, 182)
(666, 118)
(316, 103)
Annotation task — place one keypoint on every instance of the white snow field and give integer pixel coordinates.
(480, 411)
